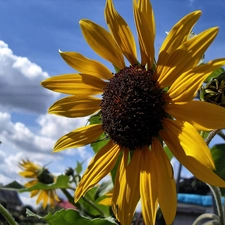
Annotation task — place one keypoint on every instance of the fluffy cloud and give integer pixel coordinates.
(55, 126)
(20, 137)
(20, 88)
(26, 131)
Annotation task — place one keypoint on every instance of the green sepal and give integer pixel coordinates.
(62, 182)
(215, 74)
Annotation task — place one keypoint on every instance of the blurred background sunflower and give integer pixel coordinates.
(39, 174)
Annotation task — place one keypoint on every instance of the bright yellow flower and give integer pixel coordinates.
(137, 113)
(39, 174)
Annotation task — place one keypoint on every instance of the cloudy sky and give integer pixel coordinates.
(31, 32)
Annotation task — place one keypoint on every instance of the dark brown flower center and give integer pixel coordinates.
(132, 108)
(45, 176)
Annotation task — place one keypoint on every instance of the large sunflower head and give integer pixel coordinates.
(42, 175)
(144, 105)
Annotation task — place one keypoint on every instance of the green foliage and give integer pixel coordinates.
(215, 73)
(168, 152)
(90, 204)
(78, 168)
(95, 119)
(218, 154)
(103, 189)
(71, 217)
(61, 183)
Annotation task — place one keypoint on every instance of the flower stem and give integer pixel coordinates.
(7, 215)
(93, 205)
(217, 196)
(211, 136)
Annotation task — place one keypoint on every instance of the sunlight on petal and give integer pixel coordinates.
(185, 86)
(192, 154)
(73, 106)
(79, 137)
(178, 35)
(99, 167)
(202, 115)
(145, 25)
(168, 196)
(85, 65)
(126, 190)
(121, 32)
(189, 52)
(148, 186)
(102, 42)
(75, 84)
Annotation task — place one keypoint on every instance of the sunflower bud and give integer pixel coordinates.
(45, 177)
(214, 91)
(69, 171)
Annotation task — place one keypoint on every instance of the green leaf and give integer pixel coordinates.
(218, 154)
(101, 142)
(89, 200)
(79, 168)
(214, 74)
(104, 188)
(168, 152)
(61, 182)
(72, 217)
(95, 119)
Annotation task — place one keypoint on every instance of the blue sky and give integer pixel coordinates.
(31, 32)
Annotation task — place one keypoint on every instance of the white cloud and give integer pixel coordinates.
(20, 137)
(20, 91)
(55, 126)
(20, 88)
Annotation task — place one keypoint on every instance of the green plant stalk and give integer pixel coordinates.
(93, 205)
(217, 196)
(215, 219)
(7, 215)
(89, 201)
(211, 136)
(215, 190)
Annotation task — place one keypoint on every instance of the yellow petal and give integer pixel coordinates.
(73, 106)
(40, 197)
(51, 198)
(186, 57)
(178, 35)
(30, 183)
(99, 167)
(107, 201)
(28, 174)
(185, 86)
(34, 193)
(126, 190)
(149, 186)
(79, 137)
(168, 196)
(85, 65)
(145, 24)
(75, 84)
(121, 32)
(202, 115)
(102, 42)
(187, 146)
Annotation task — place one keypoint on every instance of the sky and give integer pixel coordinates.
(31, 33)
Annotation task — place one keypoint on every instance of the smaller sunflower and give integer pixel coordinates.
(42, 175)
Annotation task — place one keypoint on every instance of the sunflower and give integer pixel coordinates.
(143, 105)
(42, 175)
